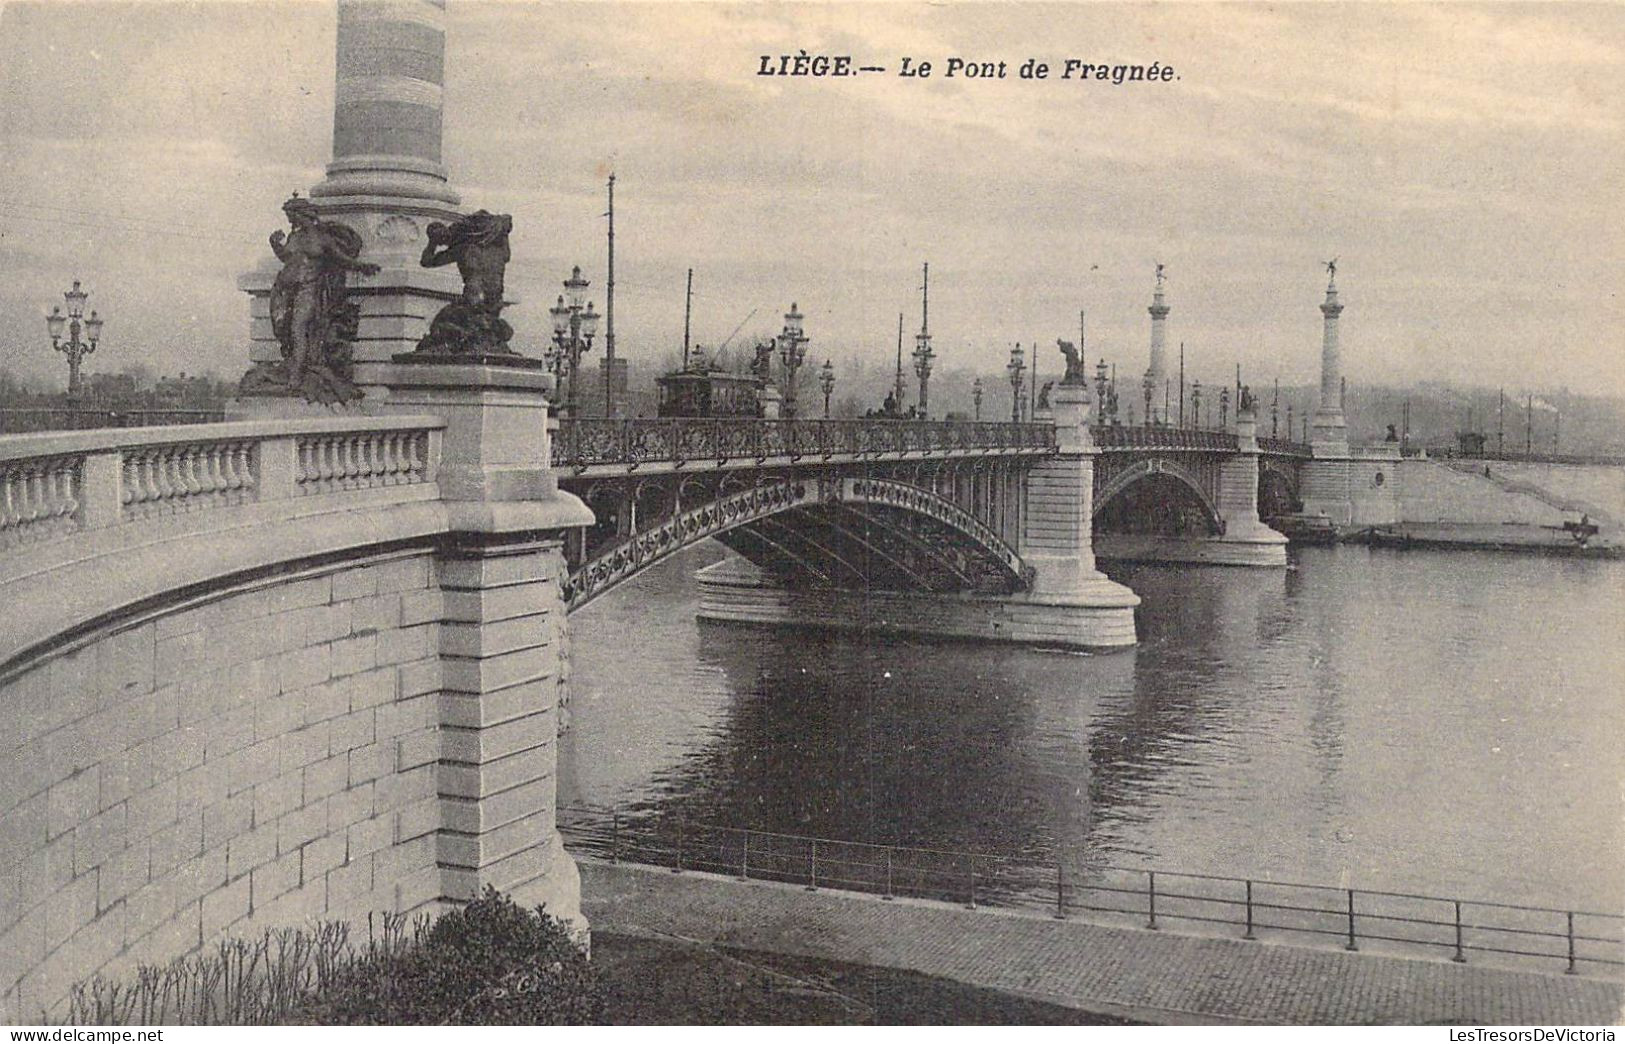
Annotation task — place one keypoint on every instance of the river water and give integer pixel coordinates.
(1448, 723)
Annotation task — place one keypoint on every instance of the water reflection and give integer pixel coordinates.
(1440, 723)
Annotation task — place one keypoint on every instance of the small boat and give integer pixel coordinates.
(1300, 527)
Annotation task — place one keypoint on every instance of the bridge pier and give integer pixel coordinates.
(501, 631)
(1245, 539)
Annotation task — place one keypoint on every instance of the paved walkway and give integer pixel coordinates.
(1155, 976)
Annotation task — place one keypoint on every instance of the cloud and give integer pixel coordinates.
(1461, 158)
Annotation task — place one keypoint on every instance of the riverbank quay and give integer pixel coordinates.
(1152, 976)
(1461, 536)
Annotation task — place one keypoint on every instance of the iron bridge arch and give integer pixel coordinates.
(1200, 484)
(854, 530)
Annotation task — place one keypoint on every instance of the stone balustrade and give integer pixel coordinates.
(39, 498)
(53, 485)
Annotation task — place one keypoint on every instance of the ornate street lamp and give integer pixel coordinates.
(976, 396)
(1147, 385)
(826, 381)
(574, 325)
(1196, 403)
(1015, 368)
(74, 348)
(792, 350)
(1224, 408)
(1100, 391)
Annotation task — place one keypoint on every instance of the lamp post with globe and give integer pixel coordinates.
(74, 321)
(574, 326)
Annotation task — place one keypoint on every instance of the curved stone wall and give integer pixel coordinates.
(258, 755)
(263, 672)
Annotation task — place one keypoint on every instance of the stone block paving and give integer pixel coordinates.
(1157, 976)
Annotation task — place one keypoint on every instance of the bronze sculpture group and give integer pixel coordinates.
(311, 315)
(473, 325)
(315, 321)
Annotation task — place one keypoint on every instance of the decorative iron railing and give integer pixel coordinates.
(1270, 444)
(1120, 436)
(1249, 907)
(589, 441)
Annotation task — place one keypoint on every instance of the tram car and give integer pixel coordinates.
(699, 391)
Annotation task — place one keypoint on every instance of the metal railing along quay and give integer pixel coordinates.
(1575, 940)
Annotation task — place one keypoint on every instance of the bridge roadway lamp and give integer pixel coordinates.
(1015, 368)
(1100, 390)
(792, 350)
(75, 322)
(1147, 385)
(976, 396)
(1196, 404)
(574, 326)
(1224, 407)
(826, 381)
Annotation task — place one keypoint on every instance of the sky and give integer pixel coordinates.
(1462, 162)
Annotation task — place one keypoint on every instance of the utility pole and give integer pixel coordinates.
(1032, 381)
(688, 311)
(897, 386)
(1181, 384)
(1501, 424)
(609, 312)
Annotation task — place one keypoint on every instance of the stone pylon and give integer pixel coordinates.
(1156, 374)
(1330, 427)
(385, 180)
(1326, 476)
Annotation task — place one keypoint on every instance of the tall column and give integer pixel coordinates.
(1326, 476)
(1330, 429)
(385, 180)
(1157, 372)
(388, 102)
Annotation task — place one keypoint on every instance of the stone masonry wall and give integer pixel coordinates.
(1431, 492)
(264, 757)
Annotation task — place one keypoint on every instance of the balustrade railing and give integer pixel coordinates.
(59, 483)
(360, 460)
(1250, 908)
(39, 498)
(589, 441)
